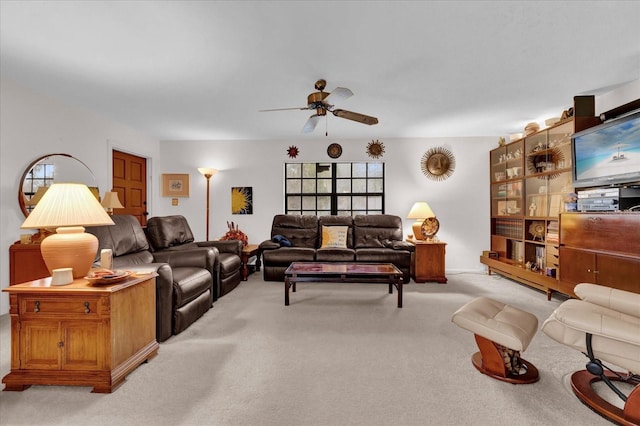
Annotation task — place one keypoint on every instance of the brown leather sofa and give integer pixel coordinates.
(370, 239)
(185, 282)
(172, 233)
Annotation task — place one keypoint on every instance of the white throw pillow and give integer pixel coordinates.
(334, 236)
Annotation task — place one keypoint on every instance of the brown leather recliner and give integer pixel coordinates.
(184, 285)
(173, 233)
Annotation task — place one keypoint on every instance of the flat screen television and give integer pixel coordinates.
(607, 154)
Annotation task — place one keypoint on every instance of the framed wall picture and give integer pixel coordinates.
(242, 200)
(175, 185)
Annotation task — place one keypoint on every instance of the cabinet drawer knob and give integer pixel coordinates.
(36, 306)
(86, 308)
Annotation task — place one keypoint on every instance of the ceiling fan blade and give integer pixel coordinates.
(338, 95)
(350, 115)
(311, 124)
(283, 109)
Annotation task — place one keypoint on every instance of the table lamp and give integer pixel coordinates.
(111, 201)
(420, 211)
(68, 207)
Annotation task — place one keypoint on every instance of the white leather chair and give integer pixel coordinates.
(604, 324)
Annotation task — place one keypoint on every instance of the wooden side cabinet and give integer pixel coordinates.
(428, 262)
(80, 334)
(26, 263)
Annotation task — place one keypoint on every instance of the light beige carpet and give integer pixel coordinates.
(340, 354)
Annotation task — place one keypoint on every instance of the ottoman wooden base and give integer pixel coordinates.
(489, 361)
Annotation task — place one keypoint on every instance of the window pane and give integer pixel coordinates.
(309, 170)
(294, 203)
(375, 203)
(294, 170)
(324, 203)
(323, 170)
(324, 186)
(359, 185)
(344, 203)
(308, 203)
(309, 186)
(343, 170)
(376, 170)
(359, 203)
(374, 185)
(294, 186)
(359, 169)
(343, 186)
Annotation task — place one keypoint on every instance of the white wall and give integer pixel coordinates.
(32, 125)
(461, 202)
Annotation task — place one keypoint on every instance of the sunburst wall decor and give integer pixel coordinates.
(293, 151)
(242, 200)
(375, 149)
(438, 163)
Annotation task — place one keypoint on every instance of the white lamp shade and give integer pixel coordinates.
(111, 201)
(420, 210)
(68, 207)
(207, 172)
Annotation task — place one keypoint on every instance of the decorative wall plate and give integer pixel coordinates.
(375, 149)
(438, 163)
(334, 150)
(430, 227)
(536, 229)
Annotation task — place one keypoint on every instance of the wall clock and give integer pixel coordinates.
(438, 163)
(334, 150)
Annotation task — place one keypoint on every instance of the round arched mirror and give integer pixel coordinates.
(49, 169)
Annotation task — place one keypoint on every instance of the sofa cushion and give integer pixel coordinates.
(335, 255)
(334, 236)
(167, 231)
(301, 230)
(285, 255)
(371, 231)
(125, 237)
(400, 258)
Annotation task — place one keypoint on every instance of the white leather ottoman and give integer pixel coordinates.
(501, 332)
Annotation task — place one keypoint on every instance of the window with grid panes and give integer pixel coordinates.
(345, 189)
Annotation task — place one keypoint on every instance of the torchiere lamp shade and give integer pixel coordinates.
(420, 211)
(68, 207)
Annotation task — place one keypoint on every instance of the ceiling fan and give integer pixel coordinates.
(322, 102)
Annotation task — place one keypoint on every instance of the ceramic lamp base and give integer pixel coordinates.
(70, 247)
(417, 230)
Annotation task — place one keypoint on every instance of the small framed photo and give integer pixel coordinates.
(175, 185)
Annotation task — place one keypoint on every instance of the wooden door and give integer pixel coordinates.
(130, 182)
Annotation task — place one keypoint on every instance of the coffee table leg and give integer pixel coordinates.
(286, 291)
(400, 292)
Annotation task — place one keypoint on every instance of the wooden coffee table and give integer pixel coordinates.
(344, 273)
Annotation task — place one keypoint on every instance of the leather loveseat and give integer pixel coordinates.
(369, 239)
(184, 286)
(172, 233)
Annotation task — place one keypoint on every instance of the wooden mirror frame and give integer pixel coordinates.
(83, 169)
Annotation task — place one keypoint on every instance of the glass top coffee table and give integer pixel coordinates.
(342, 272)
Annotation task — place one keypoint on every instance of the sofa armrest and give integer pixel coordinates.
(269, 245)
(224, 246)
(612, 298)
(205, 257)
(403, 245)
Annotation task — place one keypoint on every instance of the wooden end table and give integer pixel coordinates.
(80, 334)
(248, 251)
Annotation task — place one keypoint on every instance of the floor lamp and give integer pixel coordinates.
(207, 173)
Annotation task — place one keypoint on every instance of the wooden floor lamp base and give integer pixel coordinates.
(581, 383)
(489, 361)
